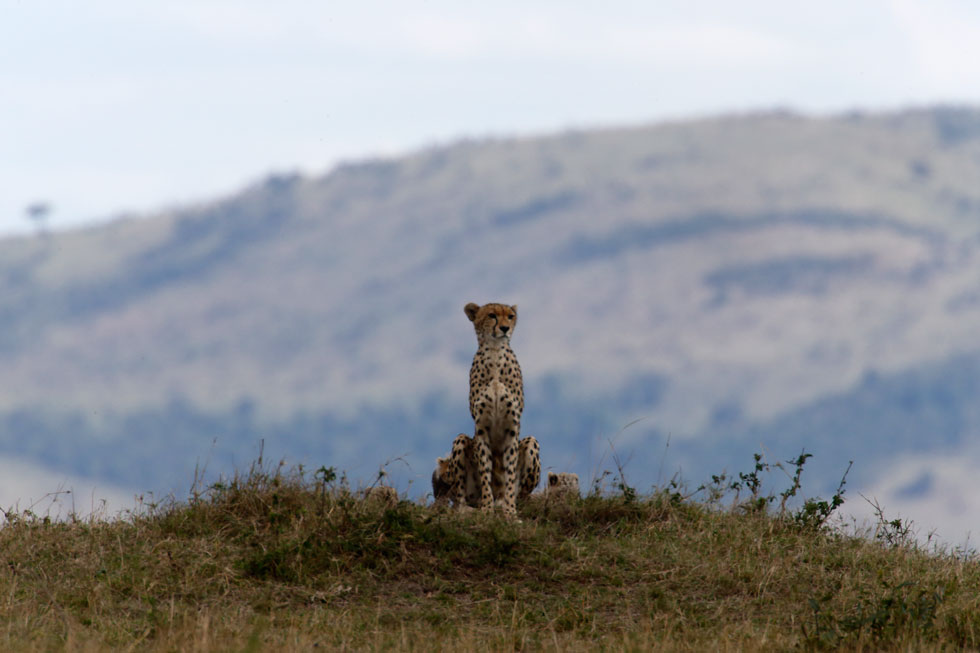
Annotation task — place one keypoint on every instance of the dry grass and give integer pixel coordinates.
(287, 561)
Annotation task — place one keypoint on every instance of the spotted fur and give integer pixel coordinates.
(455, 476)
(496, 405)
(564, 484)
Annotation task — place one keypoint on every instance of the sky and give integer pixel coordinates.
(113, 107)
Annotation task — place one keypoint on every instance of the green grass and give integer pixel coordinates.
(284, 560)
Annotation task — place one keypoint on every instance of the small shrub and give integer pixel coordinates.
(815, 513)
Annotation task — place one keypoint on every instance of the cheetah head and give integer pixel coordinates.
(493, 322)
(440, 488)
(563, 482)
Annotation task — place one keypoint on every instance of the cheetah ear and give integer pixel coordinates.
(514, 308)
(552, 478)
(471, 310)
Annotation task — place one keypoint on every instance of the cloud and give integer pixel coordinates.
(943, 45)
(938, 493)
(577, 36)
(501, 31)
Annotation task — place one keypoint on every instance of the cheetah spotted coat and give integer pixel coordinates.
(564, 484)
(460, 464)
(496, 405)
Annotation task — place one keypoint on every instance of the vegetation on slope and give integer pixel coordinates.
(288, 560)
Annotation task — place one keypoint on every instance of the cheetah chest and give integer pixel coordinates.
(496, 364)
(497, 392)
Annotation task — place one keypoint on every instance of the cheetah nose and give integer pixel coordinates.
(504, 329)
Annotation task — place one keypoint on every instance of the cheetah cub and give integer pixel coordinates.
(563, 485)
(496, 405)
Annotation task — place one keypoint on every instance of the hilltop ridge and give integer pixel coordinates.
(276, 558)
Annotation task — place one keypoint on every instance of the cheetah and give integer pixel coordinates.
(563, 485)
(460, 465)
(496, 405)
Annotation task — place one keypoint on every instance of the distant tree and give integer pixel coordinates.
(38, 213)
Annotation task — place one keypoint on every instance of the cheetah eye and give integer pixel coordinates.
(492, 316)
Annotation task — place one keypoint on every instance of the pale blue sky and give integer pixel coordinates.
(110, 105)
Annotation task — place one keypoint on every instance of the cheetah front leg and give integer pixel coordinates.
(483, 460)
(509, 457)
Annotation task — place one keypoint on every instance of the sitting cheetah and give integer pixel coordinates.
(455, 477)
(496, 405)
(562, 485)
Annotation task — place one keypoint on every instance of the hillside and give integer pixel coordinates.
(737, 282)
(286, 561)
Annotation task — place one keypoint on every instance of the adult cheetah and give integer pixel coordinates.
(455, 476)
(496, 405)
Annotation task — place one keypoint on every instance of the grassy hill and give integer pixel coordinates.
(292, 560)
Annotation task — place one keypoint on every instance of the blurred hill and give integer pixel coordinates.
(770, 280)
